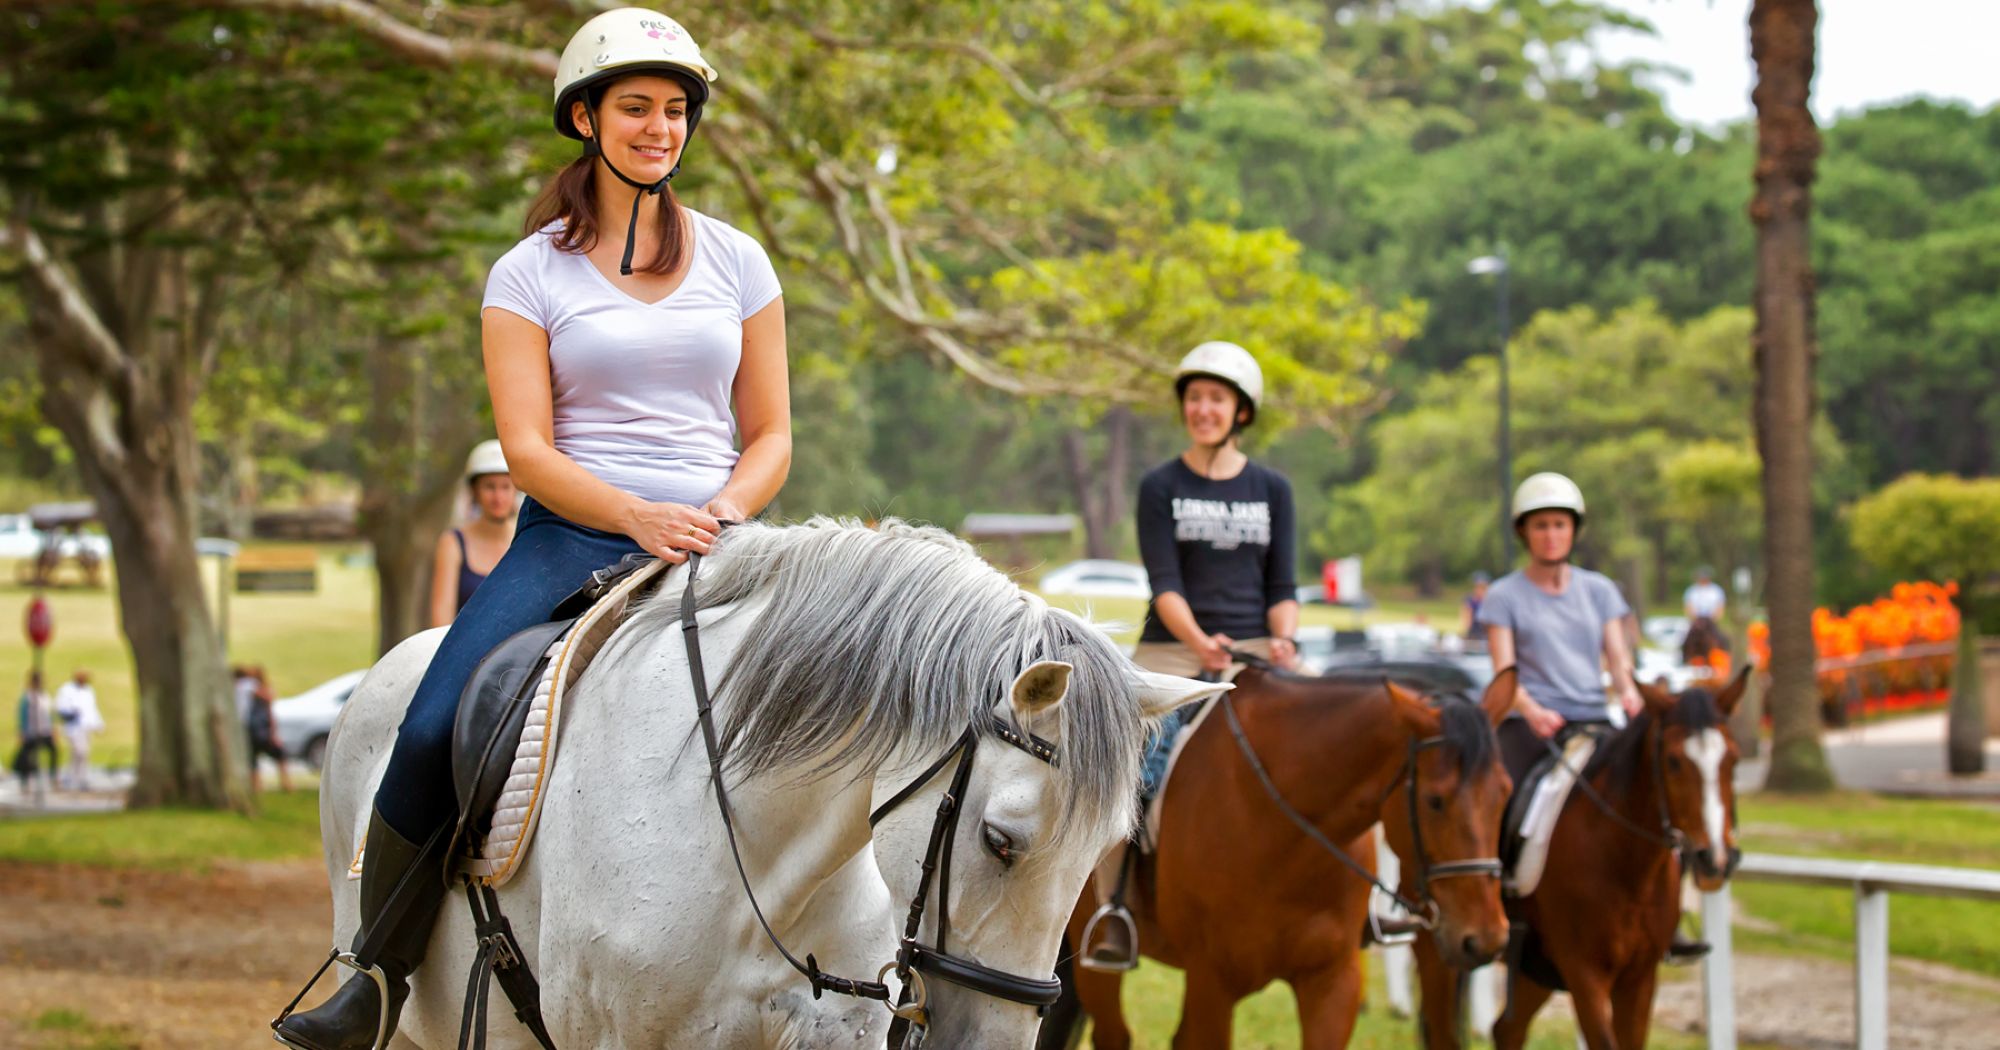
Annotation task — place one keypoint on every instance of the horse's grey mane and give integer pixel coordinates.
(900, 635)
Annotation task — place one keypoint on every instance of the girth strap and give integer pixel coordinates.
(499, 958)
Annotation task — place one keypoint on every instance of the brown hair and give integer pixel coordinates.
(570, 197)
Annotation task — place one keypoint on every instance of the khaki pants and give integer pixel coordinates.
(1175, 658)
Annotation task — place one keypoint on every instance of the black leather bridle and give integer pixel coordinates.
(1669, 836)
(1424, 911)
(915, 961)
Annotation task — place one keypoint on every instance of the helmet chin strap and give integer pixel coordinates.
(646, 189)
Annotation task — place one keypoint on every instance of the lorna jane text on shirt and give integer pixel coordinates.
(1224, 525)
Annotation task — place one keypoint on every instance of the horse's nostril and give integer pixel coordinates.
(1470, 946)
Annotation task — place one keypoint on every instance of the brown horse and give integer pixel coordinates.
(1609, 898)
(1239, 895)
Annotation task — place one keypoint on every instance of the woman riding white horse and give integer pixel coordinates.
(612, 390)
(845, 662)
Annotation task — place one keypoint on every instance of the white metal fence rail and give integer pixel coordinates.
(1871, 882)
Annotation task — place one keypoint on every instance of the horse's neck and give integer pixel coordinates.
(1639, 805)
(1341, 759)
(795, 837)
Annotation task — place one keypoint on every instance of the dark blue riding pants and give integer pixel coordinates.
(550, 558)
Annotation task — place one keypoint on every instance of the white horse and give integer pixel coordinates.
(845, 661)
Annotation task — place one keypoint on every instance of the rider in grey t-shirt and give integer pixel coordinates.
(1559, 625)
(1558, 638)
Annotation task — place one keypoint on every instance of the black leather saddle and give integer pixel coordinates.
(494, 706)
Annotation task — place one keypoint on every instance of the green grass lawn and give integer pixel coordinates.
(1964, 934)
(1269, 1019)
(286, 827)
(301, 639)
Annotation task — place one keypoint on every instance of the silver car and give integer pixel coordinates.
(305, 720)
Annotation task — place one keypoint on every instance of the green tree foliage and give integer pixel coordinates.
(1909, 254)
(1649, 416)
(1934, 527)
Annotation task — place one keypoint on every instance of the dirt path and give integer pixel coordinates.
(1807, 1003)
(111, 960)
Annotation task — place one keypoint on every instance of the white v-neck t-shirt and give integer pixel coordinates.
(641, 390)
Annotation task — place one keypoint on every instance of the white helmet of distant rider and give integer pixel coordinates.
(1226, 365)
(1548, 515)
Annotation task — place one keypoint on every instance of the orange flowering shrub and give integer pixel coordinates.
(1916, 613)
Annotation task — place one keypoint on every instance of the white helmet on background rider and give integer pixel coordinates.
(1229, 363)
(486, 458)
(1548, 491)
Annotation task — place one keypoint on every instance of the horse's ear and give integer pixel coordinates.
(1658, 699)
(1161, 693)
(1499, 698)
(1040, 688)
(1414, 711)
(1732, 693)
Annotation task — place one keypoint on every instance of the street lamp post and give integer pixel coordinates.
(1496, 265)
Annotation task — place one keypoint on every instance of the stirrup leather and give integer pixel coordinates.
(349, 960)
(1112, 911)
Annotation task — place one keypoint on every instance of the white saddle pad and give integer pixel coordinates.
(1543, 809)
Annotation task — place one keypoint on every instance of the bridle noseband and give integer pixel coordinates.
(914, 960)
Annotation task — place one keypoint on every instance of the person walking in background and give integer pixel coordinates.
(76, 709)
(38, 736)
(1468, 610)
(261, 722)
(465, 555)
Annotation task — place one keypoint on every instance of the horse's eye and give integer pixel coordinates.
(1437, 803)
(998, 843)
(1673, 764)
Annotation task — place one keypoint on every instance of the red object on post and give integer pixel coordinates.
(41, 622)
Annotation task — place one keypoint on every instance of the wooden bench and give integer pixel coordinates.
(277, 570)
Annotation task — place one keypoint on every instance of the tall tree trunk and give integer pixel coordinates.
(402, 528)
(421, 424)
(1100, 489)
(1788, 146)
(1965, 740)
(119, 376)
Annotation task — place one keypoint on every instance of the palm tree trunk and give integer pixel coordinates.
(1788, 146)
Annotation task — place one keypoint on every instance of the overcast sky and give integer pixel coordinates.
(1870, 51)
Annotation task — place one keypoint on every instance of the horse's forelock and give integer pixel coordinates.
(1467, 733)
(876, 640)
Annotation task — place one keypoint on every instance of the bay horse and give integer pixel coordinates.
(1604, 912)
(846, 661)
(1239, 895)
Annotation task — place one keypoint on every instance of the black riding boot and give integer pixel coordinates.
(1111, 939)
(402, 884)
(1685, 950)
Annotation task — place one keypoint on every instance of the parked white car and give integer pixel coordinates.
(305, 720)
(20, 540)
(1099, 578)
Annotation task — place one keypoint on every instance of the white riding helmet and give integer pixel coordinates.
(486, 458)
(623, 42)
(1227, 362)
(1547, 491)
